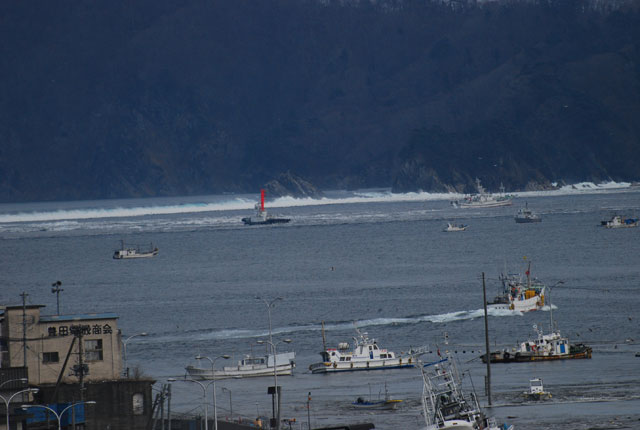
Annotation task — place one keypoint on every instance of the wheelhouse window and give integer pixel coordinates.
(93, 350)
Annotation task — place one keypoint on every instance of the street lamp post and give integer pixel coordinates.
(204, 397)
(124, 351)
(58, 416)
(270, 304)
(8, 401)
(276, 399)
(230, 401)
(215, 406)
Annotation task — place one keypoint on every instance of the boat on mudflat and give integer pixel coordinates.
(381, 404)
(262, 217)
(483, 199)
(446, 406)
(618, 222)
(536, 391)
(520, 294)
(130, 251)
(365, 355)
(544, 347)
(249, 366)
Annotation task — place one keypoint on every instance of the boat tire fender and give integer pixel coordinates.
(335, 365)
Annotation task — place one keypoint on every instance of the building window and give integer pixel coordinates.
(50, 357)
(93, 350)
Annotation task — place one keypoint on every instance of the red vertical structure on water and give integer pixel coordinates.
(261, 200)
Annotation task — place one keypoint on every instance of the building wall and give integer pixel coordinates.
(49, 339)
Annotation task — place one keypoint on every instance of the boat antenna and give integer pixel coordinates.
(486, 340)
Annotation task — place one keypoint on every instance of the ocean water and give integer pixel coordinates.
(371, 259)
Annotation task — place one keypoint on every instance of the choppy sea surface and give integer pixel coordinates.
(378, 260)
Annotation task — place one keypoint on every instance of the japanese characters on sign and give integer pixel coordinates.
(79, 330)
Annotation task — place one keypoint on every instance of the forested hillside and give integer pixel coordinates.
(150, 98)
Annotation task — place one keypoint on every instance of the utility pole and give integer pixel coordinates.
(24, 296)
(309, 409)
(486, 340)
(55, 289)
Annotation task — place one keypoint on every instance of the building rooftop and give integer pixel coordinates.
(78, 317)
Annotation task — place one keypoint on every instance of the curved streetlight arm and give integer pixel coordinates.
(25, 380)
(58, 415)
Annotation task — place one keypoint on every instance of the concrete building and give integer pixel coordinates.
(88, 346)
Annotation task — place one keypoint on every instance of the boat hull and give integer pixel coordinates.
(239, 372)
(506, 357)
(249, 221)
(381, 405)
(527, 220)
(327, 367)
(129, 255)
(490, 204)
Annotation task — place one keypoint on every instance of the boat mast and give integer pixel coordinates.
(261, 200)
(324, 339)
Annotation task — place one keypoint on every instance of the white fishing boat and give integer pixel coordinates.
(618, 222)
(536, 390)
(518, 294)
(249, 366)
(525, 216)
(262, 217)
(134, 252)
(446, 406)
(484, 199)
(365, 355)
(452, 227)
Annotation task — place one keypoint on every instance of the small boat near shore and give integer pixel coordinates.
(249, 366)
(365, 355)
(262, 217)
(134, 251)
(452, 227)
(525, 216)
(519, 294)
(536, 391)
(381, 404)
(618, 222)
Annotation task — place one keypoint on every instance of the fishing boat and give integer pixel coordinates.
(134, 252)
(525, 216)
(618, 222)
(381, 404)
(249, 366)
(536, 390)
(543, 347)
(365, 355)
(484, 199)
(453, 227)
(446, 406)
(518, 294)
(262, 217)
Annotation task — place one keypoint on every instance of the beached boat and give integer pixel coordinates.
(134, 252)
(446, 406)
(484, 199)
(381, 404)
(365, 355)
(262, 217)
(520, 294)
(249, 366)
(618, 222)
(543, 347)
(536, 390)
(525, 216)
(453, 227)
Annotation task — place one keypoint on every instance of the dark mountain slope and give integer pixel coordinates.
(155, 98)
